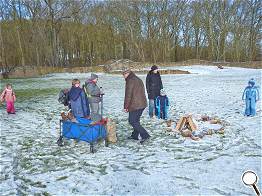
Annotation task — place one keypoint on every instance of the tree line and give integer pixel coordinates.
(90, 32)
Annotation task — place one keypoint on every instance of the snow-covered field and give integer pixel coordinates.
(31, 162)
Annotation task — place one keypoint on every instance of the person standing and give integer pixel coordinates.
(162, 104)
(153, 87)
(94, 96)
(9, 97)
(78, 101)
(135, 103)
(251, 96)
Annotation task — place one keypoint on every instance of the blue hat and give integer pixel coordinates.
(252, 82)
(162, 92)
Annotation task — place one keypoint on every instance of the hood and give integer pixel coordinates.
(74, 93)
(252, 82)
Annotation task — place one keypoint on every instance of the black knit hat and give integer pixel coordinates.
(154, 67)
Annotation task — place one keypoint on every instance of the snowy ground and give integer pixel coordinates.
(31, 162)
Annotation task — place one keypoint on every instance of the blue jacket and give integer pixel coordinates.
(162, 104)
(251, 96)
(78, 102)
(251, 93)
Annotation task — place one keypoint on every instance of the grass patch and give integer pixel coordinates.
(25, 94)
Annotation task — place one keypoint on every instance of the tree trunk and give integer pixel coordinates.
(37, 57)
(2, 54)
(91, 53)
(197, 44)
(20, 47)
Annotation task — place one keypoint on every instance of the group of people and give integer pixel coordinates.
(85, 102)
(135, 100)
(158, 100)
(82, 100)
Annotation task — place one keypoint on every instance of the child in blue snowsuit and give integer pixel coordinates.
(251, 95)
(162, 104)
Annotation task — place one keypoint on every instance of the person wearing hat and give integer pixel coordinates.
(251, 96)
(162, 104)
(94, 96)
(153, 87)
(135, 103)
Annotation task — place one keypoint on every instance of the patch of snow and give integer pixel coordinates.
(32, 163)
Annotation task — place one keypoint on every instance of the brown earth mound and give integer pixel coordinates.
(162, 72)
(115, 67)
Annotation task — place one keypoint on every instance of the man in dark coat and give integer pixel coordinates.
(153, 87)
(135, 103)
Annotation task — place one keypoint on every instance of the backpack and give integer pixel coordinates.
(63, 97)
(84, 87)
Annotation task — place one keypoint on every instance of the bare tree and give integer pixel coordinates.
(89, 32)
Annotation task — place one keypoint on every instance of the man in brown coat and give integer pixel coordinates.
(135, 103)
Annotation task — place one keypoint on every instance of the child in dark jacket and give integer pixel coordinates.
(78, 100)
(251, 96)
(162, 104)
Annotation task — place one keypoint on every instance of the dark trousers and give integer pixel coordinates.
(134, 121)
